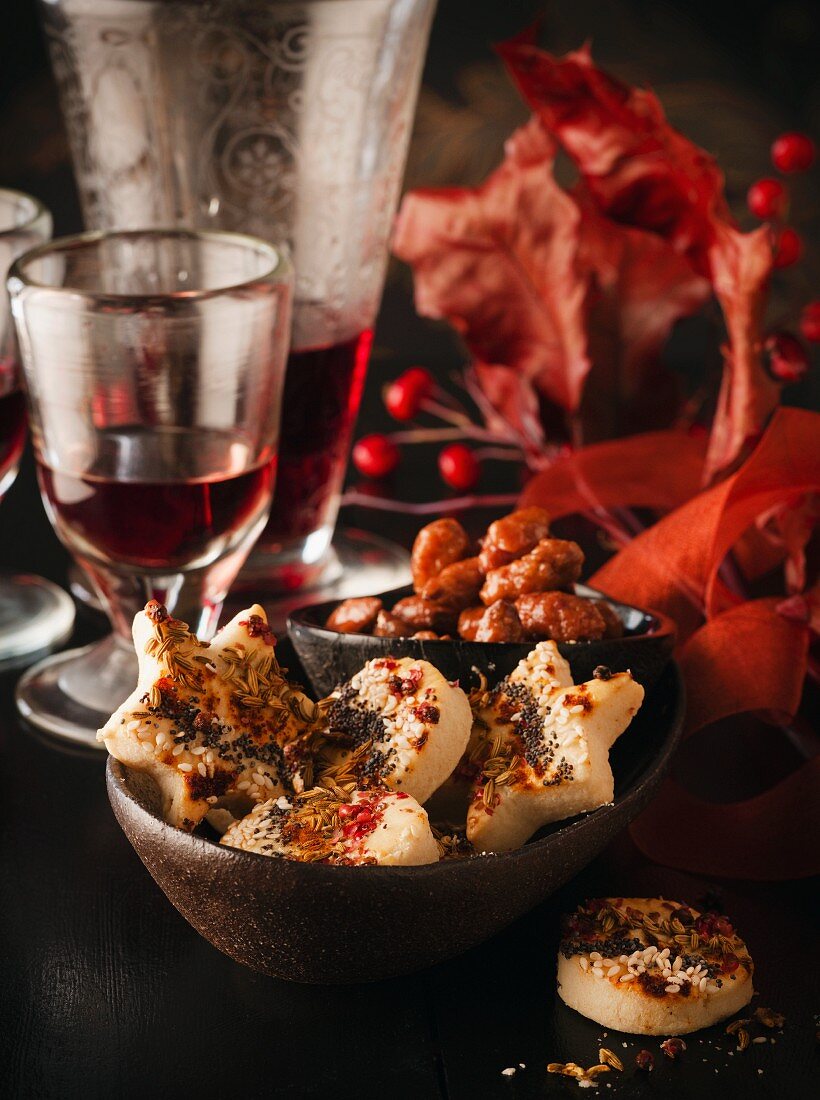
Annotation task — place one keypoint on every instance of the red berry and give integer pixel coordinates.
(401, 400)
(810, 322)
(788, 248)
(420, 379)
(458, 466)
(767, 198)
(786, 357)
(793, 152)
(375, 456)
(404, 396)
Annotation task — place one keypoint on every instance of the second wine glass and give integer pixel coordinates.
(154, 363)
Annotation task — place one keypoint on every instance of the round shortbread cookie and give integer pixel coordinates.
(648, 966)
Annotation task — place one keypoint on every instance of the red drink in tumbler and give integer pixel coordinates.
(323, 387)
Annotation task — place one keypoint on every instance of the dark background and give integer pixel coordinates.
(103, 987)
(731, 75)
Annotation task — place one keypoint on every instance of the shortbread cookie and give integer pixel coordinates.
(338, 826)
(398, 724)
(540, 672)
(206, 720)
(652, 967)
(547, 749)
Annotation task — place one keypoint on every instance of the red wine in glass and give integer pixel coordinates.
(159, 500)
(323, 387)
(12, 426)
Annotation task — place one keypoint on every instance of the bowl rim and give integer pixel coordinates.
(118, 789)
(661, 625)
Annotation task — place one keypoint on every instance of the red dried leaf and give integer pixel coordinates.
(537, 281)
(639, 169)
(500, 264)
(507, 401)
(640, 287)
(656, 470)
(749, 658)
(741, 265)
(643, 173)
(673, 566)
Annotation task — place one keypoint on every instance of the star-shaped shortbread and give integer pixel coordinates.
(397, 723)
(206, 720)
(547, 742)
(341, 826)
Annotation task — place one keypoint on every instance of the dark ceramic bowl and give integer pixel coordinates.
(312, 923)
(330, 658)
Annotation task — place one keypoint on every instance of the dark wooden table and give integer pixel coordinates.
(106, 991)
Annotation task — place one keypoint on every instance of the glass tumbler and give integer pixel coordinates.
(288, 119)
(154, 363)
(35, 615)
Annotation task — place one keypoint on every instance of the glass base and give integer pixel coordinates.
(35, 616)
(358, 563)
(278, 569)
(72, 695)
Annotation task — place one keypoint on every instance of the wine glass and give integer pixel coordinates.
(153, 361)
(297, 120)
(35, 615)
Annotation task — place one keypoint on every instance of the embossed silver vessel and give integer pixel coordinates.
(286, 119)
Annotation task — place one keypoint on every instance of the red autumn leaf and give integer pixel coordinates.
(508, 403)
(748, 658)
(641, 172)
(656, 470)
(639, 169)
(500, 264)
(537, 281)
(640, 287)
(673, 566)
(741, 264)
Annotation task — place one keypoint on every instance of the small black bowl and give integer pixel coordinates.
(312, 923)
(330, 658)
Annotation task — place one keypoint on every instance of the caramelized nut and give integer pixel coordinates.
(391, 626)
(424, 614)
(355, 616)
(500, 623)
(553, 563)
(468, 622)
(436, 546)
(425, 636)
(457, 586)
(614, 626)
(560, 616)
(513, 535)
